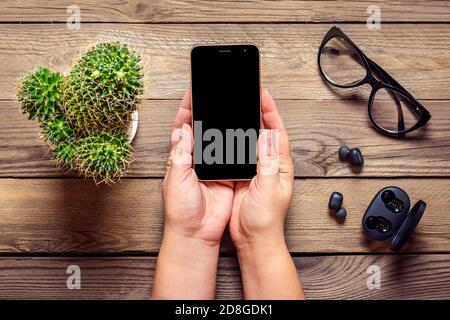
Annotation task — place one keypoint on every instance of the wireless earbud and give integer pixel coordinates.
(335, 205)
(341, 214)
(343, 152)
(353, 155)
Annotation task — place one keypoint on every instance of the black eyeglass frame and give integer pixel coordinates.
(387, 82)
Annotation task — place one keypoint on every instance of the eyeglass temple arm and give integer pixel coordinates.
(388, 79)
(384, 75)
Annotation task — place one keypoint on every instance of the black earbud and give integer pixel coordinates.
(341, 214)
(387, 196)
(343, 152)
(353, 155)
(335, 205)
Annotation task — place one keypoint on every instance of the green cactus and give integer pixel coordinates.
(56, 130)
(63, 153)
(106, 157)
(40, 94)
(84, 117)
(104, 87)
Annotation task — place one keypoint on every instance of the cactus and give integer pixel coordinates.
(40, 94)
(55, 130)
(105, 157)
(84, 116)
(64, 153)
(104, 87)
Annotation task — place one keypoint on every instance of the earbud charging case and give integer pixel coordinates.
(388, 217)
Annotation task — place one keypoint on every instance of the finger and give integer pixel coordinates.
(184, 112)
(181, 154)
(183, 116)
(268, 159)
(186, 102)
(272, 120)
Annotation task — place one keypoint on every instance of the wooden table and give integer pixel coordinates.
(49, 221)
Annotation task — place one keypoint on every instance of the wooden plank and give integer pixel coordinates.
(325, 277)
(416, 54)
(73, 215)
(316, 129)
(223, 11)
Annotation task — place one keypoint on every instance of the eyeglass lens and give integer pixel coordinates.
(340, 62)
(394, 112)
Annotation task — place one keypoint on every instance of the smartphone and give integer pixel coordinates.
(226, 113)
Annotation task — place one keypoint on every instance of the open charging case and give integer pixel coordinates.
(389, 217)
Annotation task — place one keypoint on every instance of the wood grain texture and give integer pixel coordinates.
(316, 129)
(73, 215)
(70, 215)
(326, 277)
(416, 55)
(223, 11)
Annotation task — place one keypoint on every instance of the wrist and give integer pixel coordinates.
(184, 264)
(259, 260)
(263, 247)
(256, 251)
(268, 271)
(254, 241)
(188, 256)
(185, 240)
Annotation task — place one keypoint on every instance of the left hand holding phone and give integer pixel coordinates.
(196, 209)
(196, 215)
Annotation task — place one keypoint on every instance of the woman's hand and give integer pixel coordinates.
(196, 215)
(259, 210)
(194, 209)
(260, 205)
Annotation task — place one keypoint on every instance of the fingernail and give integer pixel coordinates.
(185, 130)
(263, 136)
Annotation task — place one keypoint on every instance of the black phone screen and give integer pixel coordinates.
(225, 111)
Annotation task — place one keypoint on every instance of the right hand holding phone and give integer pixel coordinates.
(259, 210)
(260, 205)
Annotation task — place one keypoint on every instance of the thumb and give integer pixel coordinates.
(181, 153)
(268, 158)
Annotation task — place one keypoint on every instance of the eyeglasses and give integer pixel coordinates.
(392, 109)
